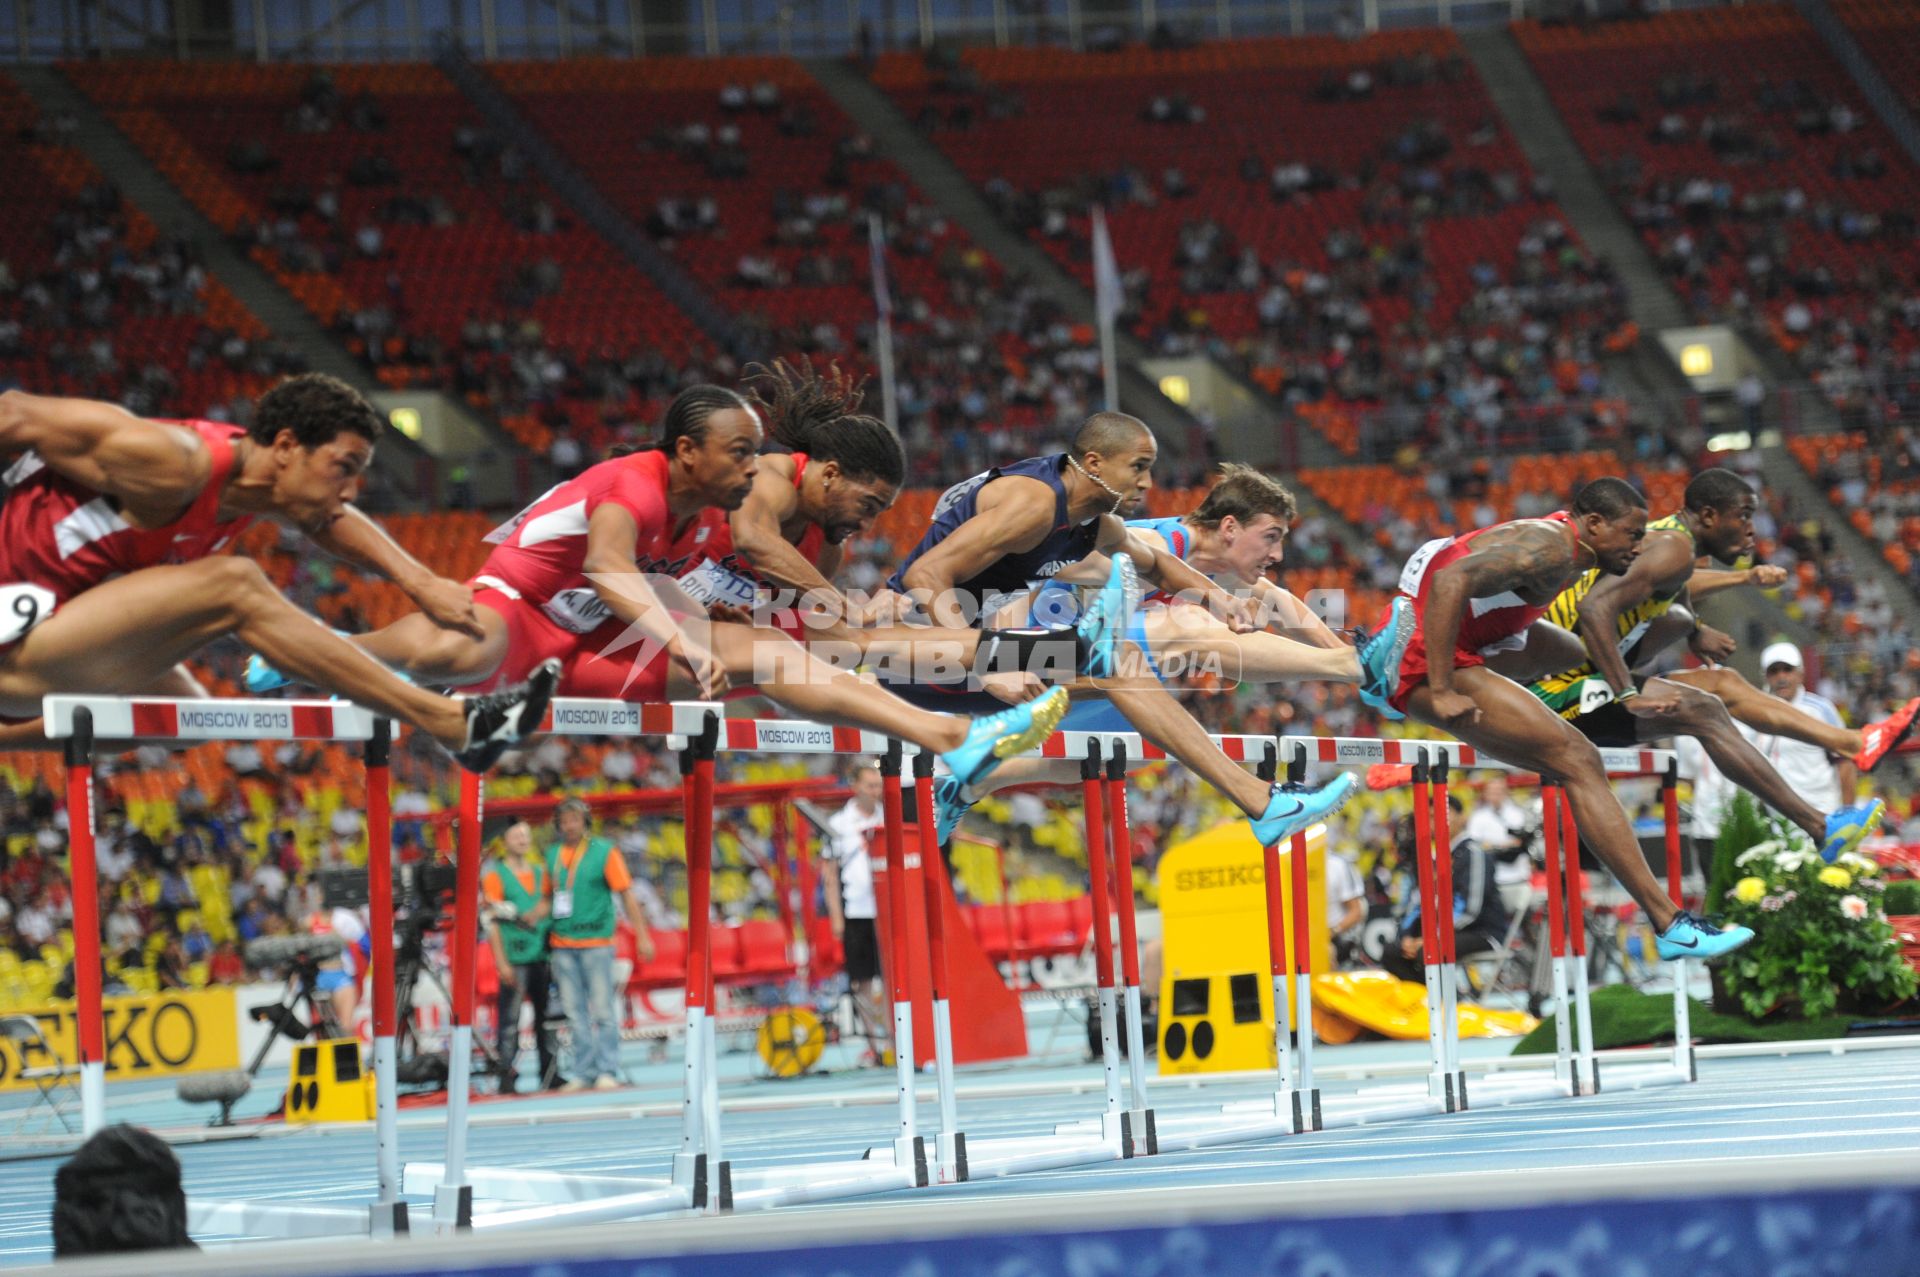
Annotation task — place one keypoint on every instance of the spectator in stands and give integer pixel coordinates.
(846, 874)
(120, 1192)
(519, 898)
(587, 876)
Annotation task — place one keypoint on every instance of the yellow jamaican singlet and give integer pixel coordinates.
(1580, 690)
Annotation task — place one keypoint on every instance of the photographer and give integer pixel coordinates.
(1500, 827)
(516, 886)
(1479, 917)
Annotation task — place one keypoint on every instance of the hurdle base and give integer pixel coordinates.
(387, 1221)
(529, 1186)
(453, 1208)
(1023, 1154)
(285, 1220)
(884, 1170)
(950, 1158)
(1141, 1132)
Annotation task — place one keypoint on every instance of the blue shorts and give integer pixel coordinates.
(328, 981)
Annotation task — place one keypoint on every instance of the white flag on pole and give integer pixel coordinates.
(1109, 295)
(877, 255)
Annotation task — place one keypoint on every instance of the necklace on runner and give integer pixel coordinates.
(1093, 479)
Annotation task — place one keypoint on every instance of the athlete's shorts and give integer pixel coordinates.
(1587, 701)
(1413, 667)
(586, 669)
(329, 980)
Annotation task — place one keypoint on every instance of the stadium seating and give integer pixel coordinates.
(626, 123)
(1753, 167)
(156, 316)
(1411, 168)
(458, 252)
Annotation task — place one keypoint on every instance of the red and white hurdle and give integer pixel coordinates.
(702, 1178)
(81, 722)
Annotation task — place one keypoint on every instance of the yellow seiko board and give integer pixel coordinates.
(1216, 982)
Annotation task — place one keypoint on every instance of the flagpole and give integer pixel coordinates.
(883, 326)
(1108, 298)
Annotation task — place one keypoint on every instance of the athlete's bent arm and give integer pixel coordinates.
(1015, 514)
(757, 535)
(104, 447)
(359, 541)
(1525, 557)
(1762, 576)
(1285, 611)
(612, 536)
(1173, 574)
(1663, 557)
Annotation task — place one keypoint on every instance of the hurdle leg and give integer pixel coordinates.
(87, 967)
(389, 1213)
(1140, 1116)
(1444, 922)
(909, 1150)
(1303, 987)
(1115, 1124)
(453, 1198)
(1563, 1069)
(1683, 1058)
(950, 1150)
(1586, 1062)
(1438, 1079)
(694, 1173)
(1286, 1097)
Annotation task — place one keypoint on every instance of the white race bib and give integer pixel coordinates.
(1594, 692)
(712, 583)
(1416, 568)
(22, 607)
(580, 610)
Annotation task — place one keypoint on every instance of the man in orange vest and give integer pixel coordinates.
(586, 875)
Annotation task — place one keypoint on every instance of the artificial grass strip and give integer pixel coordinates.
(1624, 1016)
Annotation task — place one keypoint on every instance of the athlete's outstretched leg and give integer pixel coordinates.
(1188, 640)
(1704, 717)
(436, 656)
(1514, 727)
(1768, 713)
(124, 636)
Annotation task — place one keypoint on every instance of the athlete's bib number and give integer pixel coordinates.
(1594, 692)
(22, 607)
(580, 610)
(562, 905)
(712, 583)
(1416, 569)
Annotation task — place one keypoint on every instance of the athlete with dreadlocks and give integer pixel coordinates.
(584, 576)
(1000, 538)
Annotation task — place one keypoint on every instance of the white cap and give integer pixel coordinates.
(1780, 654)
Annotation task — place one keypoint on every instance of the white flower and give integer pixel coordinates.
(1858, 863)
(1760, 851)
(1853, 907)
(1793, 861)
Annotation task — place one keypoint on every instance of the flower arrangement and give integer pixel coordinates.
(1821, 937)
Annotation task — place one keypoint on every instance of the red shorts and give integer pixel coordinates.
(586, 668)
(1413, 667)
